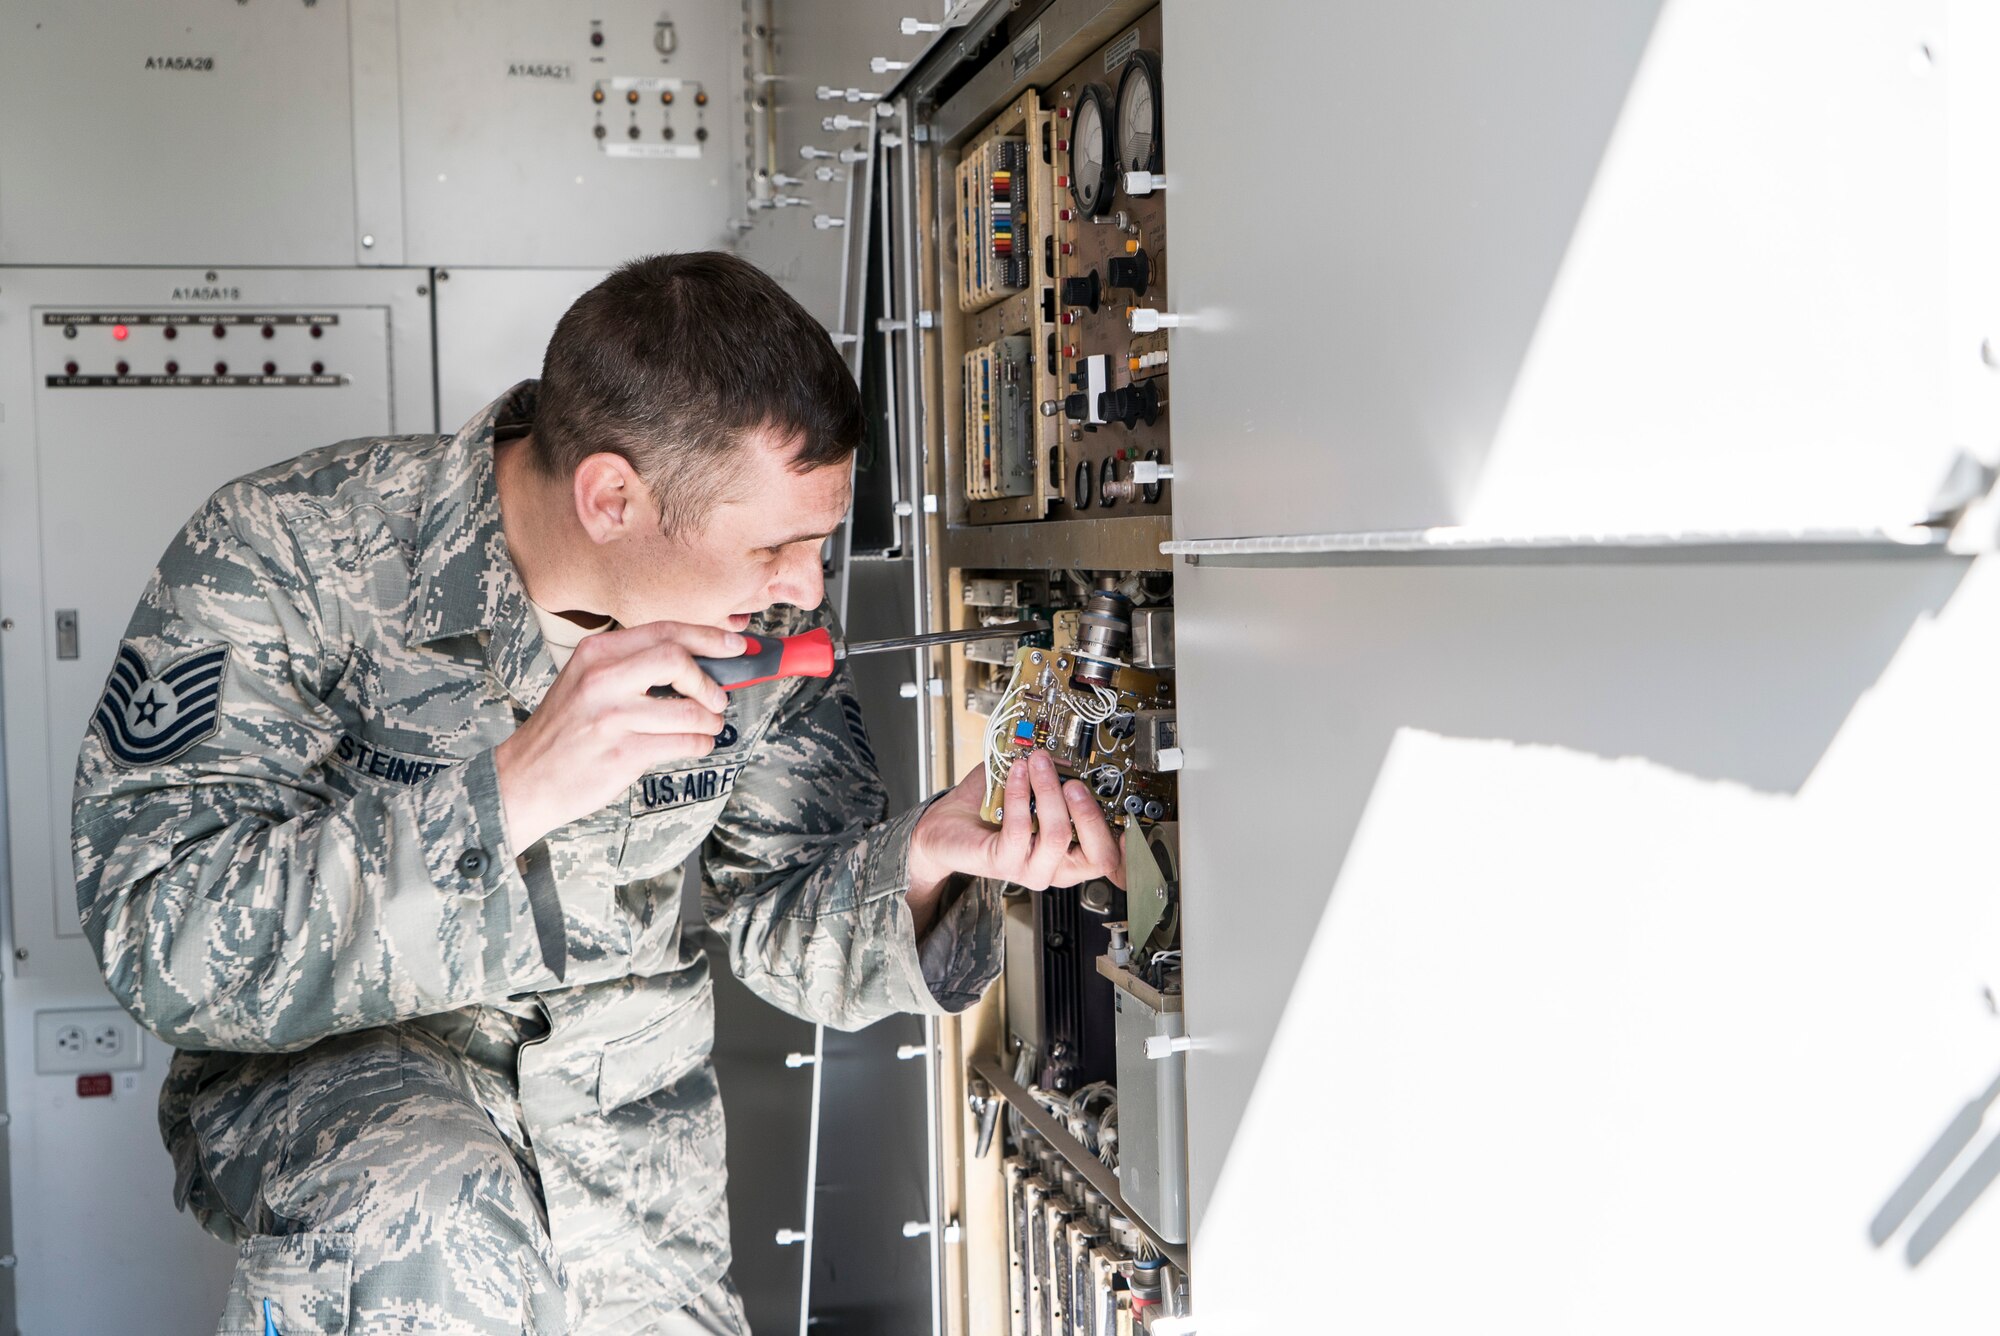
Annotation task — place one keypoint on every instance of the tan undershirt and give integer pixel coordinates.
(562, 635)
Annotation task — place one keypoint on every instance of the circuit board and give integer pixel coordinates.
(1104, 736)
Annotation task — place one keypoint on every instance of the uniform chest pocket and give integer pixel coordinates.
(670, 813)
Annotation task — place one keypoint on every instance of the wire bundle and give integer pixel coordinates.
(1090, 1115)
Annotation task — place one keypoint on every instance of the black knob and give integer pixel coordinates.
(1081, 291)
(1132, 271)
(1076, 407)
(1130, 405)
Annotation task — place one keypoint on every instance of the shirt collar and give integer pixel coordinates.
(465, 579)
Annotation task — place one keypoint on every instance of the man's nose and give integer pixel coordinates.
(801, 581)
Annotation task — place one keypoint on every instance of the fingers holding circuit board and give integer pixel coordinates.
(1101, 718)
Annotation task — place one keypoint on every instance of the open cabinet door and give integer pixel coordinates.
(1597, 941)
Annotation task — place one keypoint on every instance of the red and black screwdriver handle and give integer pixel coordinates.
(768, 658)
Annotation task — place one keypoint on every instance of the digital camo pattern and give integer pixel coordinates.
(325, 880)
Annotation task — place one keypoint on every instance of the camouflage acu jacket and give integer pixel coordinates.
(287, 827)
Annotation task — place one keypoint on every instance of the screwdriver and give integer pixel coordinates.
(814, 653)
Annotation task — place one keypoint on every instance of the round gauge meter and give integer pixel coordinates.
(1139, 114)
(1090, 178)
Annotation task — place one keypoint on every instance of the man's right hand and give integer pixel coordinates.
(597, 731)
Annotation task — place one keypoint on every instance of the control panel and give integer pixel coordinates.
(558, 134)
(187, 350)
(1054, 465)
(1058, 264)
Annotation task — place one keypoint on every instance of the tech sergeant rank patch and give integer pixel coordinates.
(147, 717)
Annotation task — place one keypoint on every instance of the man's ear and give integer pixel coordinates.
(611, 500)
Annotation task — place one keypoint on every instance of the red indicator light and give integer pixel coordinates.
(319, 368)
(120, 332)
(222, 368)
(69, 368)
(95, 1086)
(270, 368)
(173, 368)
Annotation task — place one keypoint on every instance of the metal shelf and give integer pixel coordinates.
(1126, 543)
(1462, 545)
(1093, 1169)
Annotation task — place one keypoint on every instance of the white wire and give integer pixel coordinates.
(999, 723)
(1096, 710)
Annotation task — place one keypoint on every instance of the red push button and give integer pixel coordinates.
(95, 1086)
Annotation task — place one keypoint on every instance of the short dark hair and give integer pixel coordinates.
(671, 360)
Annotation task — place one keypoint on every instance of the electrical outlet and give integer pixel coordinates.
(97, 1039)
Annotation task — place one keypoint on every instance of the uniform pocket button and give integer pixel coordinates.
(472, 863)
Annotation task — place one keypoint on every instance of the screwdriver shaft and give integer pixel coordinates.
(1000, 631)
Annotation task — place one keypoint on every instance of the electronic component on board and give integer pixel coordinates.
(1102, 719)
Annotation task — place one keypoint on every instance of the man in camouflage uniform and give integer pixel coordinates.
(391, 851)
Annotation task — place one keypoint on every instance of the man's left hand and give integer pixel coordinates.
(1063, 841)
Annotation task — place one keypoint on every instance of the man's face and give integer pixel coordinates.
(751, 553)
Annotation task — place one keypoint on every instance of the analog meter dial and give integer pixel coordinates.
(1139, 114)
(1090, 148)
